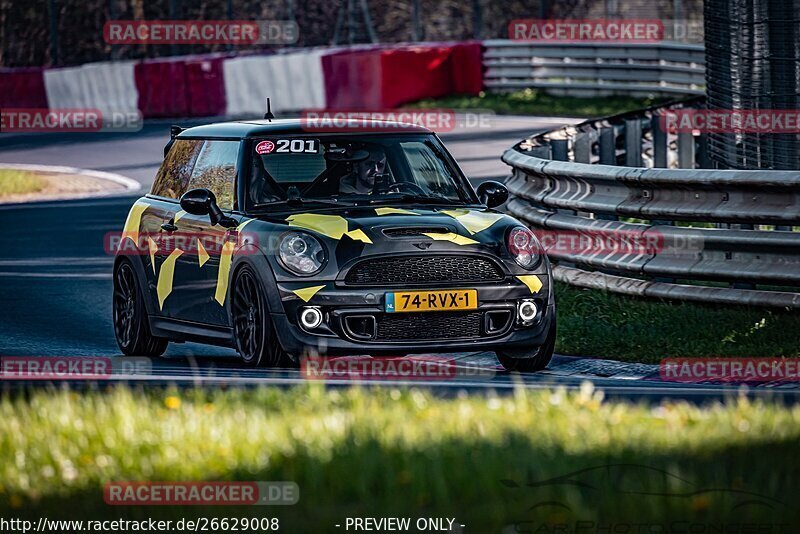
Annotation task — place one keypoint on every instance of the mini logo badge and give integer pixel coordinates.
(265, 147)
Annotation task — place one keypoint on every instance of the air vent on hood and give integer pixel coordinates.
(413, 231)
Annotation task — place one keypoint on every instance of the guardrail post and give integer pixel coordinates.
(583, 148)
(560, 149)
(633, 143)
(685, 150)
(542, 152)
(659, 142)
(608, 146)
(703, 158)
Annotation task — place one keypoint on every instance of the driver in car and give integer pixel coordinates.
(361, 179)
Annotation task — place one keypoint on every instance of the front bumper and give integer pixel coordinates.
(494, 324)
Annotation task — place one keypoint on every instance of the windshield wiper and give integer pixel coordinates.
(294, 200)
(411, 199)
(298, 202)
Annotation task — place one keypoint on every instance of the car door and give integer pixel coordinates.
(197, 269)
(157, 241)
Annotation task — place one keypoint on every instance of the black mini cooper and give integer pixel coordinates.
(282, 241)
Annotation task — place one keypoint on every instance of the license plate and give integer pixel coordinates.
(439, 300)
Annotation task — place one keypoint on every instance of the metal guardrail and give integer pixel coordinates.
(595, 69)
(722, 236)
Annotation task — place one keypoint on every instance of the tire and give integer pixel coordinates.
(131, 327)
(530, 360)
(253, 332)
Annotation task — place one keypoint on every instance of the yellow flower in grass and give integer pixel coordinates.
(172, 402)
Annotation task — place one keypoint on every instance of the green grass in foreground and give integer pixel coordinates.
(534, 102)
(14, 182)
(598, 323)
(387, 452)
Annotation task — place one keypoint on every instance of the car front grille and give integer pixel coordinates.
(423, 270)
(429, 326)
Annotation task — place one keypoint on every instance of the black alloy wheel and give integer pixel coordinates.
(131, 327)
(253, 331)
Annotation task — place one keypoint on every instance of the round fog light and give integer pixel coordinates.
(527, 311)
(310, 317)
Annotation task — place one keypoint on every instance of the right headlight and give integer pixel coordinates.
(301, 253)
(524, 247)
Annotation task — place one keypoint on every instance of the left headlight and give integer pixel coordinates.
(302, 253)
(524, 247)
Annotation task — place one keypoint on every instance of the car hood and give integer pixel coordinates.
(368, 224)
(351, 234)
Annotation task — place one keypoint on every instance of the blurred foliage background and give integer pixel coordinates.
(70, 32)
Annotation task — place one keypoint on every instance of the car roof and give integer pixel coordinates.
(258, 128)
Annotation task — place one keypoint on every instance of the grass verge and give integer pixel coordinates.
(16, 182)
(620, 327)
(534, 102)
(533, 458)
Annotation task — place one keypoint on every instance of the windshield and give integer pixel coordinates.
(354, 169)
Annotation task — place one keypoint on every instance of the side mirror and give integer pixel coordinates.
(204, 202)
(492, 193)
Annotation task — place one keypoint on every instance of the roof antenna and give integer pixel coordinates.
(268, 115)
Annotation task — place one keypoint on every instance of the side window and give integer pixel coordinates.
(173, 176)
(215, 170)
(429, 171)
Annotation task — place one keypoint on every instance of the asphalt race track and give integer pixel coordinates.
(55, 276)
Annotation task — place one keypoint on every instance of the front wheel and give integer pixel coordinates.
(131, 327)
(253, 331)
(530, 360)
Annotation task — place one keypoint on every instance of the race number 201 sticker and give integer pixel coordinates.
(288, 146)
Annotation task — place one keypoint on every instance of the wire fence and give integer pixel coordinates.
(753, 62)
